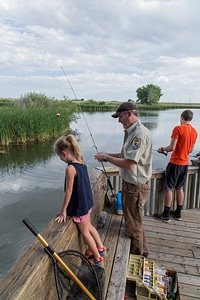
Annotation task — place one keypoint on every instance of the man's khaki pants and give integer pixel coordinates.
(133, 198)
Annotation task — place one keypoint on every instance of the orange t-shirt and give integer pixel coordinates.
(186, 137)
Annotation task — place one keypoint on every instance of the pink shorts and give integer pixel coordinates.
(82, 218)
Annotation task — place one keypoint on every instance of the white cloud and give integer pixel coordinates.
(107, 48)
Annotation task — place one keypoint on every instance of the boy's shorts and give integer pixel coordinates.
(175, 177)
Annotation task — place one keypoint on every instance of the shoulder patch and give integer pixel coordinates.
(136, 143)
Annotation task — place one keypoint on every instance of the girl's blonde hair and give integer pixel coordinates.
(68, 142)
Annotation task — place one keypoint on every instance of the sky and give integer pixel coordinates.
(100, 50)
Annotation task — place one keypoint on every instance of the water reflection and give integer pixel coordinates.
(18, 158)
(149, 119)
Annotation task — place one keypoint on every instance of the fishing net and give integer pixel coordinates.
(91, 276)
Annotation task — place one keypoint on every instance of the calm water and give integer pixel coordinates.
(31, 182)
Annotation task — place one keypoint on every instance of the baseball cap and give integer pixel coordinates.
(125, 106)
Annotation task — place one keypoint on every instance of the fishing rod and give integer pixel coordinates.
(163, 152)
(95, 146)
(197, 155)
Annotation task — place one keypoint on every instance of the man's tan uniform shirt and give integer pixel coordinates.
(138, 147)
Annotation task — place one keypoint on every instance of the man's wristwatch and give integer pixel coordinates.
(105, 158)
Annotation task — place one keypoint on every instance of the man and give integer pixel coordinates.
(135, 167)
(183, 139)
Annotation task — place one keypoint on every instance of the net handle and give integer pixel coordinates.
(57, 257)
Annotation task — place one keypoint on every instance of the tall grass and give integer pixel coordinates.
(33, 116)
(19, 125)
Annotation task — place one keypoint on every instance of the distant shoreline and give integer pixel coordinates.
(112, 105)
(92, 105)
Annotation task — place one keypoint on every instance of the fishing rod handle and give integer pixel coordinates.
(30, 226)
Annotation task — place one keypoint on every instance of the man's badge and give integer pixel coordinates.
(136, 144)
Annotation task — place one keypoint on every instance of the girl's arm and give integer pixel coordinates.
(70, 174)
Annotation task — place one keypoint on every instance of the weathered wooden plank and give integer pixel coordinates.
(170, 233)
(188, 279)
(113, 235)
(175, 251)
(178, 259)
(186, 222)
(184, 297)
(175, 230)
(173, 238)
(111, 241)
(117, 284)
(193, 216)
(157, 242)
(191, 291)
(104, 228)
(175, 245)
(97, 180)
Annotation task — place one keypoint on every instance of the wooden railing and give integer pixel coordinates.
(155, 202)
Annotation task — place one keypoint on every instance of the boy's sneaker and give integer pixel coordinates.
(103, 252)
(98, 262)
(162, 217)
(176, 216)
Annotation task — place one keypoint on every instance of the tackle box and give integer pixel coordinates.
(152, 281)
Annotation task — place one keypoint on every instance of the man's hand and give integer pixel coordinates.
(100, 156)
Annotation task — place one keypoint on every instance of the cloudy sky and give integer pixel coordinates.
(107, 48)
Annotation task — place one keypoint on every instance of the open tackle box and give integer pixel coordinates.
(152, 281)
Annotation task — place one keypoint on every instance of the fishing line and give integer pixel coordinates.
(95, 146)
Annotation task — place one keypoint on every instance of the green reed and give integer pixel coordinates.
(19, 125)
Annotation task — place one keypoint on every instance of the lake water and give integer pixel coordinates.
(31, 182)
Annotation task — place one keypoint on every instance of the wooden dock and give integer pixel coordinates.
(176, 245)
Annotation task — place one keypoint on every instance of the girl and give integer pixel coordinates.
(78, 199)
